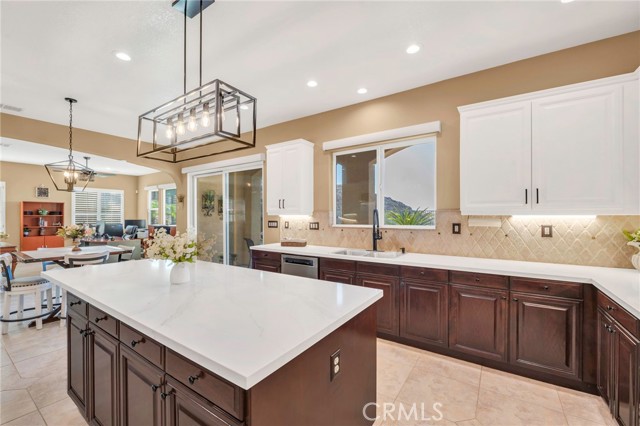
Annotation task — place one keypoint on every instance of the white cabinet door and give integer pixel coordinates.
(577, 152)
(274, 185)
(290, 178)
(495, 160)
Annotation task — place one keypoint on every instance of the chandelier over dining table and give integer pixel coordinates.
(211, 119)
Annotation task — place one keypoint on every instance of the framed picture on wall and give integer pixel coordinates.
(42, 192)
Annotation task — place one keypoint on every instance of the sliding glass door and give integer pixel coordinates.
(227, 214)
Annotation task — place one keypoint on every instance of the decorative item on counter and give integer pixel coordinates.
(75, 232)
(208, 202)
(293, 242)
(43, 212)
(634, 241)
(179, 249)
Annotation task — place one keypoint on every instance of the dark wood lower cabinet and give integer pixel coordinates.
(478, 321)
(337, 276)
(103, 377)
(184, 408)
(424, 311)
(265, 265)
(77, 360)
(388, 307)
(545, 334)
(605, 356)
(625, 376)
(140, 390)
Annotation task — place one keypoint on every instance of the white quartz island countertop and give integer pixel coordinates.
(239, 323)
(621, 285)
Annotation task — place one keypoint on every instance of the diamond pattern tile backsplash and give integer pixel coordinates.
(580, 241)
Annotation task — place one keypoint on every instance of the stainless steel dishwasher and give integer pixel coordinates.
(301, 266)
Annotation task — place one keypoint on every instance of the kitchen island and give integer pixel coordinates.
(233, 346)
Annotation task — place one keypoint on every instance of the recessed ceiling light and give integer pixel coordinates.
(312, 83)
(362, 90)
(414, 48)
(122, 56)
(566, 1)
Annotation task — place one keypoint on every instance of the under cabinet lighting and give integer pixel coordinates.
(559, 216)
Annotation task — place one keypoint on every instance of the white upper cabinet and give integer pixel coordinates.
(290, 178)
(577, 152)
(495, 142)
(570, 150)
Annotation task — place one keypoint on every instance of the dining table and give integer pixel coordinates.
(57, 255)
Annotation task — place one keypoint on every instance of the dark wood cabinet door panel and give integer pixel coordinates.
(77, 305)
(103, 320)
(424, 311)
(388, 308)
(266, 266)
(604, 362)
(428, 274)
(628, 321)
(337, 276)
(222, 393)
(547, 287)
(625, 378)
(343, 265)
(140, 390)
(185, 408)
(103, 376)
(150, 349)
(546, 334)
(77, 361)
(378, 269)
(478, 321)
(479, 280)
(266, 255)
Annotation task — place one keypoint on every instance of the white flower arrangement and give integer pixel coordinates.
(181, 248)
(75, 231)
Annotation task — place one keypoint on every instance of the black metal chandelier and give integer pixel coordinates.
(68, 175)
(211, 119)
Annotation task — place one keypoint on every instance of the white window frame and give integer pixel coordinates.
(97, 190)
(161, 198)
(379, 149)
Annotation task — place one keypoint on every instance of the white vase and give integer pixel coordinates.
(635, 259)
(180, 273)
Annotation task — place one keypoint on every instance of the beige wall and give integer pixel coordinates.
(145, 181)
(22, 179)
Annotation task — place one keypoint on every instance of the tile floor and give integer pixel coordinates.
(33, 388)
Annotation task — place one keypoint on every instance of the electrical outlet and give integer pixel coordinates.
(286, 224)
(272, 224)
(334, 364)
(455, 228)
(547, 231)
(314, 226)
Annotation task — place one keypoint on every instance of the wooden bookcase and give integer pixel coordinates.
(40, 236)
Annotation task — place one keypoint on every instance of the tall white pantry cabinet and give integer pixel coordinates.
(568, 150)
(290, 178)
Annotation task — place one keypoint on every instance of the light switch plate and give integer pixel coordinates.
(272, 224)
(314, 226)
(286, 224)
(547, 231)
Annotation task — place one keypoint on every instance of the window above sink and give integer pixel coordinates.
(399, 179)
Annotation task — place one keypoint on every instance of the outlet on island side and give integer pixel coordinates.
(334, 364)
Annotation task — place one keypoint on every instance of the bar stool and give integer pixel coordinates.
(77, 260)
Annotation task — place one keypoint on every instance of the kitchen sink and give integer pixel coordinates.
(370, 253)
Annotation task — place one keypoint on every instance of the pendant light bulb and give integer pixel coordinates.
(169, 131)
(206, 118)
(193, 122)
(180, 130)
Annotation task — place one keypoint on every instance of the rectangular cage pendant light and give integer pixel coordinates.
(212, 119)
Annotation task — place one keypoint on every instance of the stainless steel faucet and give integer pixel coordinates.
(377, 235)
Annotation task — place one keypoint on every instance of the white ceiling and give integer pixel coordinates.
(17, 151)
(270, 49)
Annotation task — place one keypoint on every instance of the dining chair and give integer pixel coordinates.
(20, 287)
(250, 244)
(75, 261)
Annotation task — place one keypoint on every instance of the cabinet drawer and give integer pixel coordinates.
(438, 275)
(551, 288)
(257, 254)
(377, 268)
(142, 345)
(479, 280)
(627, 320)
(77, 305)
(343, 265)
(225, 395)
(104, 321)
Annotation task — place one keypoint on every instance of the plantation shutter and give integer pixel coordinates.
(91, 206)
(85, 207)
